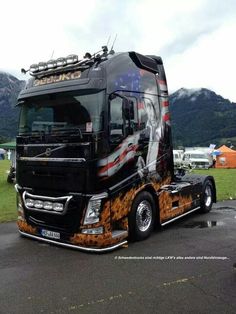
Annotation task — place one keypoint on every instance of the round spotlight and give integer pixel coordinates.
(47, 205)
(38, 204)
(29, 202)
(72, 59)
(34, 68)
(42, 66)
(61, 62)
(58, 207)
(52, 64)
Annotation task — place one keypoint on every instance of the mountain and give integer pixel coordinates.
(201, 117)
(9, 90)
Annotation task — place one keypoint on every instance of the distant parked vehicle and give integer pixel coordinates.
(178, 158)
(196, 160)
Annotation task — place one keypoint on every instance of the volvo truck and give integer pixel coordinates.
(94, 153)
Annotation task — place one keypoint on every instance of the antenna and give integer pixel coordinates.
(52, 54)
(108, 40)
(112, 51)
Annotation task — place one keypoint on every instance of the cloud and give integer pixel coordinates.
(204, 21)
(207, 64)
(191, 36)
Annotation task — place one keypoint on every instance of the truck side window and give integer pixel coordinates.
(116, 119)
(142, 115)
(134, 120)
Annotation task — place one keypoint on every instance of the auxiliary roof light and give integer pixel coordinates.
(52, 64)
(34, 68)
(61, 62)
(72, 59)
(42, 66)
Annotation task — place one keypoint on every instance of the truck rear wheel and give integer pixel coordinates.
(207, 197)
(142, 216)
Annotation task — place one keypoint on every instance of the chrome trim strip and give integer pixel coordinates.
(72, 245)
(99, 196)
(119, 233)
(58, 144)
(17, 187)
(46, 197)
(191, 211)
(52, 159)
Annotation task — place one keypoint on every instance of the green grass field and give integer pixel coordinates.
(225, 185)
(225, 182)
(7, 194)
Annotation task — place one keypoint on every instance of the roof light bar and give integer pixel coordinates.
(52, 65)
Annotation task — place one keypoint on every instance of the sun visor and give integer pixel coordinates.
(144, 62)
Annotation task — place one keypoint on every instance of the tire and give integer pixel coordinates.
(10, 178)
(206, 197)
(141, 217)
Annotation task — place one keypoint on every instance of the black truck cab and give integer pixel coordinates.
(94, 153)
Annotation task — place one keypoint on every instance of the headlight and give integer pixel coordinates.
(94, 208)
(93, 212)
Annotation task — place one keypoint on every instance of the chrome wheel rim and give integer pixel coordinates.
(208, 196)
(144, 216)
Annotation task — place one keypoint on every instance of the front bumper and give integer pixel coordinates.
(73, 246)
(87, 242)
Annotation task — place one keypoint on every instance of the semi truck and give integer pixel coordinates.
(94, 153)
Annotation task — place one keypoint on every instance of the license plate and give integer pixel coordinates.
(50, 234)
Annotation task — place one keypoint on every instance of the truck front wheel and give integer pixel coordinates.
(207, 197)
(142, 216)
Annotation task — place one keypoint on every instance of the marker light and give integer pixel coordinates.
(71, 59)
(61, 62)
(98, 230)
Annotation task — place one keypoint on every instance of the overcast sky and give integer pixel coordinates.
(195, 38)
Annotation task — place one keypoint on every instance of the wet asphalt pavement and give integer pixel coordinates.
(185, 267)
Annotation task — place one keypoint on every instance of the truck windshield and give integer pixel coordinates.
(62, 112)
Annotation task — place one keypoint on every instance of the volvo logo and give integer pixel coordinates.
(48, 152)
